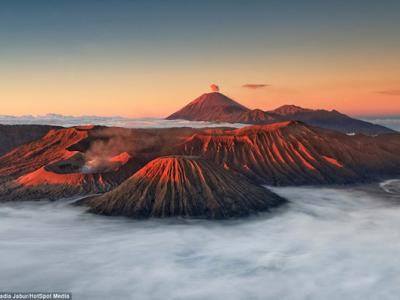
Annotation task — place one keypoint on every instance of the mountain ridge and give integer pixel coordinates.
(208, 107)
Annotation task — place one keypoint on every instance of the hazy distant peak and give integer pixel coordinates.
(290, 110)
(210, 106)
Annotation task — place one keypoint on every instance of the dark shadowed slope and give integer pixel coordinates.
(12, 136)
(329, 119)
(216, 107)
(184, 186)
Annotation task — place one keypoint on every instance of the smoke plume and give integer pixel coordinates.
(214, 87)
(113, 147)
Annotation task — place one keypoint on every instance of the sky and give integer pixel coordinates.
(149, 58)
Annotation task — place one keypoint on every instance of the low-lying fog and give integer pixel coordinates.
(326, 244)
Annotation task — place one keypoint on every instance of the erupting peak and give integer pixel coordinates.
(210, 106)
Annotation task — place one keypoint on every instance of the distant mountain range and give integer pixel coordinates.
(217, 107)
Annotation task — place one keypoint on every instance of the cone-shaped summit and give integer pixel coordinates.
(210, 107)
(184, 186)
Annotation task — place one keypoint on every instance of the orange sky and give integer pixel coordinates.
(157, 93)
(150, 58)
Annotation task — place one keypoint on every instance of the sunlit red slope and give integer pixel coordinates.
(49, 149)
(47, 168)
(44, 184)
(291, 153)
(81, 160)
(184, 186)
(84, 160)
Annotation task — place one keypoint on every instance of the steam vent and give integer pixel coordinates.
(184, 186)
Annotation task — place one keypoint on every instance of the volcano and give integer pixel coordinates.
(216, 107)
(48, 169)
(210, 107)
(87, 160)
(184, 186)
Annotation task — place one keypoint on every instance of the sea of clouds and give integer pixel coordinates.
(68, 121)
(390, 122)
(328, 243)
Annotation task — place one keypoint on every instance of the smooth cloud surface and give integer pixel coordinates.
(390, 122)
(326, 244)
(67, 121)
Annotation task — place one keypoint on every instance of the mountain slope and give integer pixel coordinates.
(48, 169)
(293, 153)
(184, 186)
(329, 119)
(49, 149)
(12, 136)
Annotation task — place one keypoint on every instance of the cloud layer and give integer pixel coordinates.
(390, 122)
(343, 236)
(67, 121)
(390, 92)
